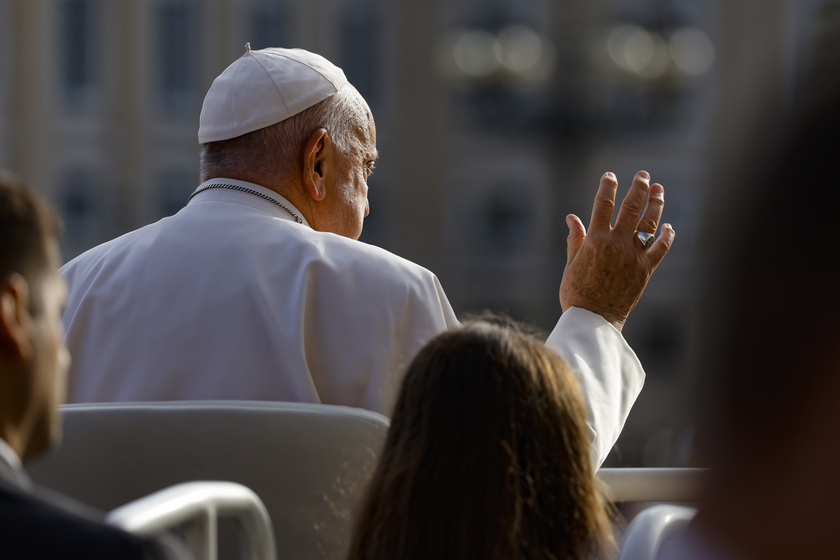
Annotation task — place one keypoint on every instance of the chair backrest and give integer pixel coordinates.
(308, 463)
(651, 531)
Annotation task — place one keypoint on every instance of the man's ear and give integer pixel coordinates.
(15, 319)
(315, 157)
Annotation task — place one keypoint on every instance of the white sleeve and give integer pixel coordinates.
(608, 371)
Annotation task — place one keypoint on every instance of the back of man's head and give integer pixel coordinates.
(259, 113)
(265, 87)
(33, 358)
(27, 226)
(276, 150)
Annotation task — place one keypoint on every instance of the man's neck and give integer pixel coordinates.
(285, 189)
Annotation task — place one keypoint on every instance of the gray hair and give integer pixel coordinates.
(276, 150)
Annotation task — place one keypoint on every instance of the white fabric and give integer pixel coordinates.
(265, 87)
(8, 454)
(231, 299)
(609, 373)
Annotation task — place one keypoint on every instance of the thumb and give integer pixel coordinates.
(577, 233)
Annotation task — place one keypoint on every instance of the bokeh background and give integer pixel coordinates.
(495, 119)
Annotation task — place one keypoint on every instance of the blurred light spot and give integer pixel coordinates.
(477, 53)
(692, 51)
(542, 71)
(639, 51)
(522, 48)
(661, 61)
(630, 47)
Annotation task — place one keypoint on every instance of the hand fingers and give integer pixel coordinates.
(653, 210)
(602, 209)
(661, 246)
(577, 233)
(632, 205)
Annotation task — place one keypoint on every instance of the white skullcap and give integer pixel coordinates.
(265, 87)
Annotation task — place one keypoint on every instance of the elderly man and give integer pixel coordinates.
(258, 288)
(33, 366)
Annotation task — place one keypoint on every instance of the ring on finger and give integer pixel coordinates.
(646, 239)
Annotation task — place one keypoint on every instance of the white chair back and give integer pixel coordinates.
(308, 463)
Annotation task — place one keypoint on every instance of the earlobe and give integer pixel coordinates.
(315, 155)
(15, 318)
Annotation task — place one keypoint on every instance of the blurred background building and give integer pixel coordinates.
(495, 119)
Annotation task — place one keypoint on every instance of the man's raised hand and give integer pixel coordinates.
(607, 268)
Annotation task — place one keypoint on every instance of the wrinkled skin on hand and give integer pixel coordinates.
(607, 268)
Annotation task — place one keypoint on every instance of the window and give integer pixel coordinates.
(78, 52)
(175, 187)
(84, 209)
(175, 53)
(502, 219)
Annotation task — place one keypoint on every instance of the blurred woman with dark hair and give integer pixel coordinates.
(488, 456)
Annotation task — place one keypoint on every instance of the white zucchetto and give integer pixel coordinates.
(264, 87)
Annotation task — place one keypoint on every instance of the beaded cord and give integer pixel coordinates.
(249, 191)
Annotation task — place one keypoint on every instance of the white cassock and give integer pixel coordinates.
(232, 299)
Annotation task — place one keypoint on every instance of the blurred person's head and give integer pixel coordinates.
(319, 157)
(33, 359)
(772, 408)
(487, 457)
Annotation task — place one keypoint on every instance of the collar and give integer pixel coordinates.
(276, 208)
(8, 455)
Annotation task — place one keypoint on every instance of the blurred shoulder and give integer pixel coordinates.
(37, 526)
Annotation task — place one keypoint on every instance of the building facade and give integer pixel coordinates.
(495, 119)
